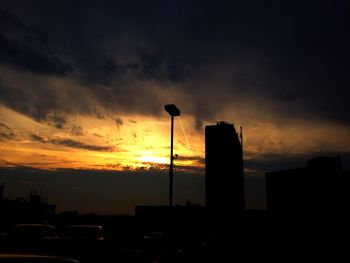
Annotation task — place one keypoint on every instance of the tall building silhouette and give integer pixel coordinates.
(224, 178)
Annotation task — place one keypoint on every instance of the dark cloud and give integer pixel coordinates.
(27, 49)
(98, 135)
(24, 57)
(179, 168)
(6, 133)
(30, 50)
(154, 66)
(39, 102)
(278, 56)
(109, 66)
(37, 138)
(96, 69)
(80, 145)
(9, 22)
(71, 143)
(77, 130)
(57, 119)
(119, 122)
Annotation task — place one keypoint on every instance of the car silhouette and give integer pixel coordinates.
(84, 232)
(34, 231)
(29, 258)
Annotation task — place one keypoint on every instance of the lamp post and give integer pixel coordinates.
(173, 111)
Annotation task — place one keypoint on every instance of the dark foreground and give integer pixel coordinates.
(250, 237)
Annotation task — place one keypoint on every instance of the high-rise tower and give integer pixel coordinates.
(223, 169)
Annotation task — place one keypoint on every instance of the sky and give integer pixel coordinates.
(83, 86)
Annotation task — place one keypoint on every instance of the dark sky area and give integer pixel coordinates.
(279, 67)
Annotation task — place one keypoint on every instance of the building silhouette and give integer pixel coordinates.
(320, 187)
(2, 188)
(33, 209)
(224, 180)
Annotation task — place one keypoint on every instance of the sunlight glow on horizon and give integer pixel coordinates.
(154, 159)
(138, 142)
(143, 142)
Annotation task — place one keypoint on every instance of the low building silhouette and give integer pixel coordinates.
(2, 187)
(34, 209)
(322, 187)
(224, 179)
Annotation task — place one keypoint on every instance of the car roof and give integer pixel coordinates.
(34, 225)
(34, 258)
(87, 226)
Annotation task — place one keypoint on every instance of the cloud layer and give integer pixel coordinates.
(283, 56)
(71, 143)
(265, 64)
(83, 77)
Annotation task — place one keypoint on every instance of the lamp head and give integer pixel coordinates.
(172, 110)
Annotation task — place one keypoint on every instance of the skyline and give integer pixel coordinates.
(83, 85)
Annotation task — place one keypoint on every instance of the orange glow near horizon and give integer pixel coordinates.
(136, 142)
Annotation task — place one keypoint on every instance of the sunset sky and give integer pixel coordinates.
(83, 86)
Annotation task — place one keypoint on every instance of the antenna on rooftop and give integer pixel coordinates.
(241, 136)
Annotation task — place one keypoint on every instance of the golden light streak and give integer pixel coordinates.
(154, 159)
(143, 142)
(140, 142)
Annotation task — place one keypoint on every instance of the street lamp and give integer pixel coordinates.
(173, 111)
